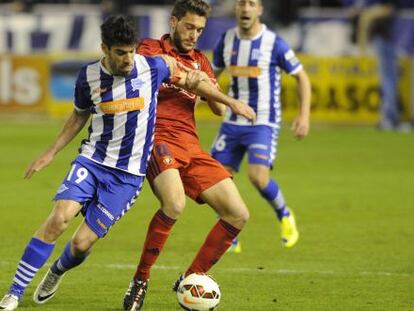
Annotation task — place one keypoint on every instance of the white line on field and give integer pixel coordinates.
(251, 270)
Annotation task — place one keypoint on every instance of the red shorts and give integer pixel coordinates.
(198, 170)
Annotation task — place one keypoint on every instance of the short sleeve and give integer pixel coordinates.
(218, 59)
(149, 47)
(82, 96)
(286, 57)
(162, 68)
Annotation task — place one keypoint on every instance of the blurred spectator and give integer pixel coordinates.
(376, 24)
(280, 12)
(222, 7)
(20, 6)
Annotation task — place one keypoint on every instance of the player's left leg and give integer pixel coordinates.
(115, 193)
(73, 255)
(225, 199)
(259, 175)
(262, 145)
(38, 251)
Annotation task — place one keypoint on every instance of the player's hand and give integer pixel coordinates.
(41, 162)
(244, 110)
(300, 127)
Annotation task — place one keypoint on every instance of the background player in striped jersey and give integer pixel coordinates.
(255, 58)
(120, 92)
(178, 165)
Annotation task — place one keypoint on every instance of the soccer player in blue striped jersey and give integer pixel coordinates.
(255, 58)
(119, 93)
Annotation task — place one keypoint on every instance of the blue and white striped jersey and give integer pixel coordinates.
(255, 66)
(123, 112)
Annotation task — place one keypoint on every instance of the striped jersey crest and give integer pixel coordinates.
(123, 112)
(255, 66)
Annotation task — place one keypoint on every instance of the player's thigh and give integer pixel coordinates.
(116, 193)
(169, 189)
(225, 199)
(227, 147)
(262, 145)
(79, 185)
(202, 173)
(106, 194)
(65, 210)
(58, 220)
(168, 158)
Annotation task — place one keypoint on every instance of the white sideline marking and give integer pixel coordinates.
(248, 270)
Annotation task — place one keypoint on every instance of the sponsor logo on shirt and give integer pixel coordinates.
(122, 105)
(245, 71)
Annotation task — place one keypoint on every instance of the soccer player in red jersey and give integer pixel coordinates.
(179, 166)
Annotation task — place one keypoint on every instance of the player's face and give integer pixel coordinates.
(248, 13)
(186, 31)
(119, 59)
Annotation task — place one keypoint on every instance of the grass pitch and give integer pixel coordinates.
(351, 190)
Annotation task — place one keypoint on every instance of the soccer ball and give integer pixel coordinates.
(198, 292)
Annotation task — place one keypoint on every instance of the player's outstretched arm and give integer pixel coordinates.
(203, 88)
(193, 76)
(216, 107)
(206, 90)
(300, 125)
(72, 127)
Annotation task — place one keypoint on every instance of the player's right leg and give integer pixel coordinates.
(168, 188)
(228, 150)
(38, 250)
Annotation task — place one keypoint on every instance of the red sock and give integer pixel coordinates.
(216, 244)
(157, 234)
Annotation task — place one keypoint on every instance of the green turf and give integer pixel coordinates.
(351, 189)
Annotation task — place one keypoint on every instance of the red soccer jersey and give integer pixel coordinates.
(175, 111)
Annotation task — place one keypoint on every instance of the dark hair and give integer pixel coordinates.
(182, 7)
(117, 30)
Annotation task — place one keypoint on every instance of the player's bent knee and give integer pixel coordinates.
(244, 217)
(81, 246)
(239, 217)
(56, 224)
(174, 208)
(259, 181)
